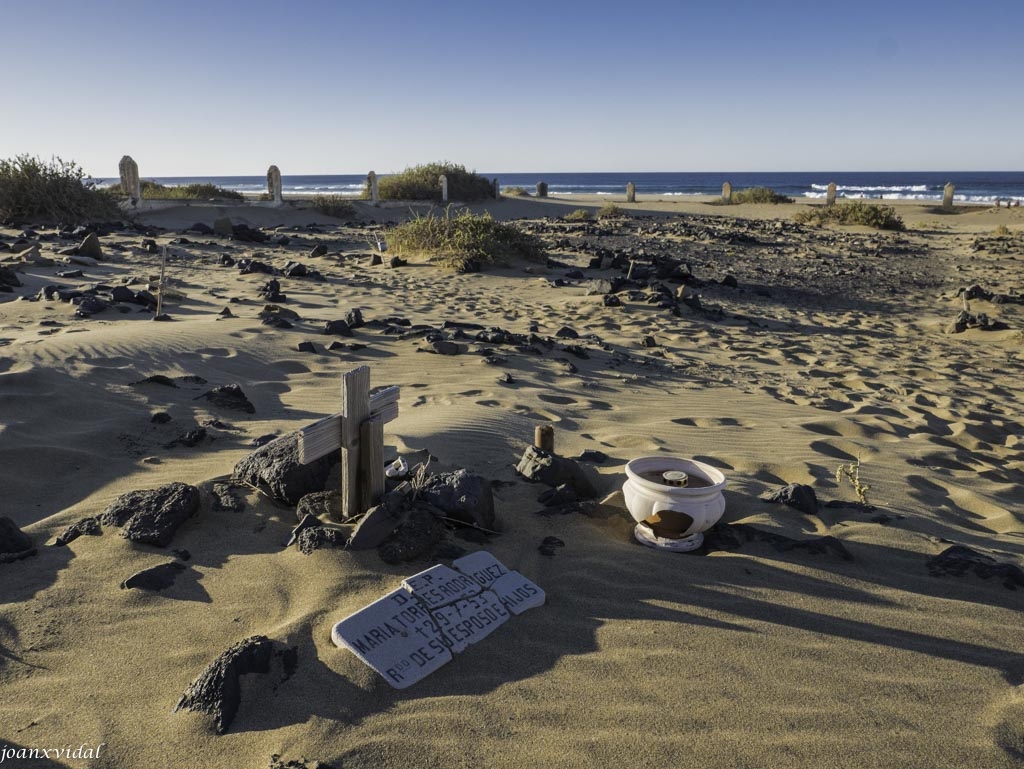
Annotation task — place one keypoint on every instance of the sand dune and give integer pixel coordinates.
(831, 349)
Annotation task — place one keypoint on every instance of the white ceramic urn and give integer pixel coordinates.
(648, 493)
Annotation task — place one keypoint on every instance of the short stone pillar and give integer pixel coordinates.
(947, 196)
(727, 193)
(497, 189)
(630, 192)
(542, 189)
(444, 188)
(274, 185)
(830, 195)
(131, 185)
(371, 182)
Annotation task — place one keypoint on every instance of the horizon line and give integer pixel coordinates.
(632, 171)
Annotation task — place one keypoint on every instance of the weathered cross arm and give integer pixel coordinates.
(323, 437)
(358, 430)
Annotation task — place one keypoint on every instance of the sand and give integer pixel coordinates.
(831, 349)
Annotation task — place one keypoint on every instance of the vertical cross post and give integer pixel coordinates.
(371, 470)
(355, 408)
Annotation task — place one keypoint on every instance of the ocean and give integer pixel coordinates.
(971, 186)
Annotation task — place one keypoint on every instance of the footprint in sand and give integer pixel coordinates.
(216, 352)
(291, 367)
(559, 400)
(963, 507)
(530, 413)
(709, 422)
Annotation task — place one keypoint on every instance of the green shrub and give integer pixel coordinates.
(337, 206)
(155, 191)
(853, 212)
(515, 192)
(464, 242)
(611, 211)
(579, 215)
(759, 195)
(32, 189)
(422, 183)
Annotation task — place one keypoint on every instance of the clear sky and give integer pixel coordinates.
(320, 86)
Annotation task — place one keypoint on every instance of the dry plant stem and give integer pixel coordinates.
(852, 473)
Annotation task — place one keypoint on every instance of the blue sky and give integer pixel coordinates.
(220, 88)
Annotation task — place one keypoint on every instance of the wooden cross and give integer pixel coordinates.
(358, 430)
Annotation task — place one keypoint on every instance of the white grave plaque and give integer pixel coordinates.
(440, 585)
(473, 619)
(481, 566)
(517, 593)
(412, 631)
(396, 636)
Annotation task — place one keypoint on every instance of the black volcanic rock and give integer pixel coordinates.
(152, 516)
(14, 543)
(276, 466)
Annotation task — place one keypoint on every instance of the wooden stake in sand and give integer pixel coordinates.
(160, 285)
(544, 438)
(542, 189)
(630, 192)
(947, 196)
(727, 192)
(358, 430)
(830, 195)
(444, 188)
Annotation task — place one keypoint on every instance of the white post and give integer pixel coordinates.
(131, 185)
(444, 188)
(274, 185)
(374, 193)
(727, 192)
(947, 196)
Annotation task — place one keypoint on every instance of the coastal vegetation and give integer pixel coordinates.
(579, 215)
(465, 242)
(759, 195)
(853, 212)
(754, 195)
(337, 206)
(611, 211)
(422, 183)
(155, 191)
(515, 192)
(32, 189)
